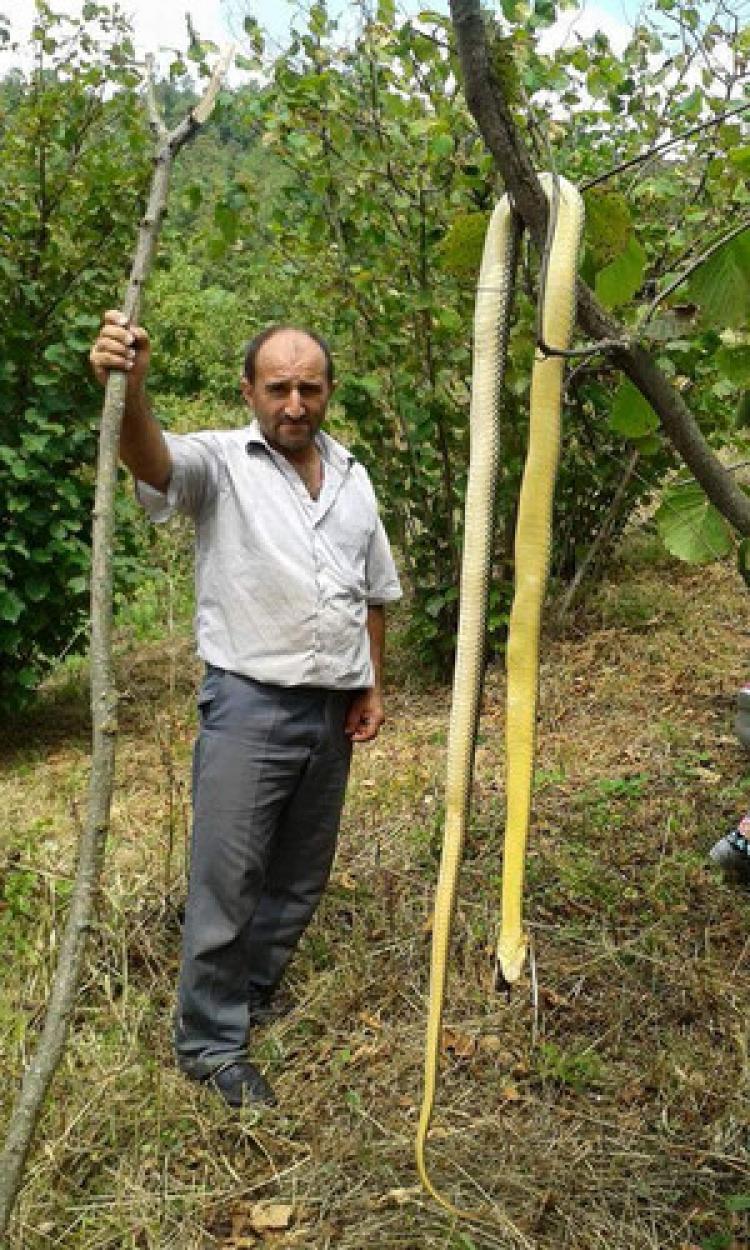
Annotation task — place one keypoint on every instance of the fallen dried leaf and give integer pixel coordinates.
(459, 1044)
(493, 1045)
(270, 1216)
(510, 1093)
(400, 1197)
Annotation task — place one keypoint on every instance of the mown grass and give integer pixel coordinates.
(613, 1112)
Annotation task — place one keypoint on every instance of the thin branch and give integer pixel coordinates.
(602, 536)
(691, 268)
(662, 147)
(155, 118)
(603, 347)
(205, 106)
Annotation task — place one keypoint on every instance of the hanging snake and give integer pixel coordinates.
(532, 550)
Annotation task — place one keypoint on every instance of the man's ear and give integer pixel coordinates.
(248, 390)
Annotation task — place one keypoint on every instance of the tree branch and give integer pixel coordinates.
(41, 1070)
(690, 269)
(602, 537)
(658, 148)
(499, 131)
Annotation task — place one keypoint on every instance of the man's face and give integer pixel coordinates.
(290, 393)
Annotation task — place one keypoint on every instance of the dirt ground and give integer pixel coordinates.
(608, 1109)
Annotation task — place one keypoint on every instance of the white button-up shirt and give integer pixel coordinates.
(283, 581)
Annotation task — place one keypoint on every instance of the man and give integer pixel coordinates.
(293, 570)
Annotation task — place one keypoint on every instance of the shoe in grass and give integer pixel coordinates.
(732, 853)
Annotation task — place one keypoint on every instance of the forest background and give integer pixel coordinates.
(343, 184)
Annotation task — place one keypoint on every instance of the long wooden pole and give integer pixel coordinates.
(41, 1070)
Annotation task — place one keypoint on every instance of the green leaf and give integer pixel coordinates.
(460, 250)
(227, 219)
(651, 445)
(27, 678)
(441, 145)
(632, 415)
(247, 62)
(690, 527)
(194, 193)
(618, 282)
(56, 354)
(721, 286)
(36, 588)
(734, 363)
(448, 319)
(544, 12)
(740, 158)
(11, 606)
(370, 382)
(608, 225)
(511, 10)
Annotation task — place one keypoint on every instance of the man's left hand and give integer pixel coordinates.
(365, 716)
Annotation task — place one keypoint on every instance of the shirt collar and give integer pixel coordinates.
(332, 451)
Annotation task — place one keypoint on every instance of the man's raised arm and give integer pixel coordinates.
(143, 447)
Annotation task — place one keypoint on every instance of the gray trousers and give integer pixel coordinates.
(269, 775)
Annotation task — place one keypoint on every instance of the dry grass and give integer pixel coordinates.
(617, 1118)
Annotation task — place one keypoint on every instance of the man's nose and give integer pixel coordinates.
(294, 405)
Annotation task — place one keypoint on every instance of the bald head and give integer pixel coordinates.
(256, 345)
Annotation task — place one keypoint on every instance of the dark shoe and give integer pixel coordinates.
(732, 853)
(241, 1083)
